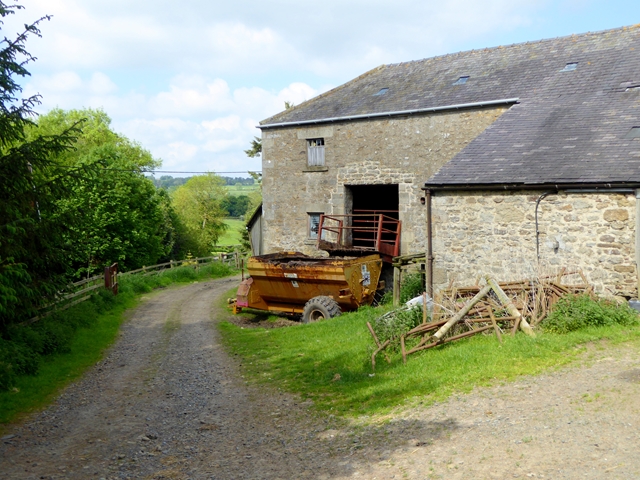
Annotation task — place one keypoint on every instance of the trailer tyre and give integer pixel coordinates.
(319, 308)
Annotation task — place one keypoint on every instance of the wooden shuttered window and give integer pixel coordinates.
(315, 152)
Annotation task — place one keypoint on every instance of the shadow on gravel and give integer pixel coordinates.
(632, 376)
(361, 450)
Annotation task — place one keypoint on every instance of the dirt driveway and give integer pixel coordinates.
(168, 402)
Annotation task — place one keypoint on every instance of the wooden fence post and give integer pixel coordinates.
(397, 279)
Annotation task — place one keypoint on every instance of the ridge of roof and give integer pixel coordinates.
(518, 44)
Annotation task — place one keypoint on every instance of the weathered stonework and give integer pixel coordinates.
(400, 150)
(482, 233)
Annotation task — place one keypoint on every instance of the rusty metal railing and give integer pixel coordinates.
(366, 231)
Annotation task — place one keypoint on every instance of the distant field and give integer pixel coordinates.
(241, 189)
(232, 235)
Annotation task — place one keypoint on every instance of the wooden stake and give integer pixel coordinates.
(373, 355)
(397, 278)
(523, 324)
(468, 306)
(424, 307)
(404, 352)
(495, 326)
(373, 334)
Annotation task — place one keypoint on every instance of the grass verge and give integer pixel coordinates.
(62, 347)
(329, 362)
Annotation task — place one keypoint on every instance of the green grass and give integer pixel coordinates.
(307, 359)
(232, 236)
(56, 371)
(94, 325)
(238, 190)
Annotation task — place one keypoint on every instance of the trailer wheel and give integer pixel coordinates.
(319, 308)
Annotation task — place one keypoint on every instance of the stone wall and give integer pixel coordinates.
(399, 150)
(494, 233)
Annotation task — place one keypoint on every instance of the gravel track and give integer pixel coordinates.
(168, 402)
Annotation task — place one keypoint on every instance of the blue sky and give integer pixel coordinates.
(191, 80)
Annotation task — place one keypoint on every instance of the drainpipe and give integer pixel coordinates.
(430, 246)
(540, 198)
(638, 239)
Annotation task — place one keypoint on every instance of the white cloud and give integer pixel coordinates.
(64, 82)
(177, 155)
(69, 90)
(193, 95)
(206, 125)
(332, 39)
(100, 84)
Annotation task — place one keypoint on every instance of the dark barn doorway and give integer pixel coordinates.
(365, 203)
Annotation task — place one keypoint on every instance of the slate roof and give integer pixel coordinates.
(569, 127)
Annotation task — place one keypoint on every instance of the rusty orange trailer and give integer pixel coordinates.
(317, 288)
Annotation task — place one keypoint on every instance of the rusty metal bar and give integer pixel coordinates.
(320, 223)
(450, 339)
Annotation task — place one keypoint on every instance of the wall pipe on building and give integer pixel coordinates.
(429, 246)
(540, 198)
(638, 238)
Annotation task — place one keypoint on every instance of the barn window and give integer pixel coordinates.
(314, 224)
(315, 152)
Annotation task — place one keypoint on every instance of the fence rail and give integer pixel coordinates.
(109, 280)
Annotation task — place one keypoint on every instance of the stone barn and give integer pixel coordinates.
(530, 154)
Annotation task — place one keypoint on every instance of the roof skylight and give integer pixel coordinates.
(633, 133)
(382, 91)
(461, 81)
(570, 67)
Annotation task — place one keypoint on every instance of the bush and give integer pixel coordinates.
(57, 335)
(574, 312)
(396, 323)
(412, 286)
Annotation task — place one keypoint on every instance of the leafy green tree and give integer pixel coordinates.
(236, 205)
(32, 247)
(198, 204)
(119, 214)
(255, 148)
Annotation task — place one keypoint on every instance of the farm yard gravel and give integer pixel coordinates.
(167, 402)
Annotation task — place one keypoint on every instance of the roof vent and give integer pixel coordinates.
(381, 92)
(461, 81)
(633, 133)
(570, 67)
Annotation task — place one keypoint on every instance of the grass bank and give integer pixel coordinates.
(329, 362)
(38, 360)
